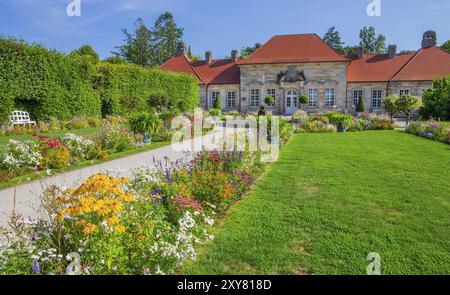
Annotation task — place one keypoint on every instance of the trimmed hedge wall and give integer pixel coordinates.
(45, 83)
(49, 84)
(127, 88)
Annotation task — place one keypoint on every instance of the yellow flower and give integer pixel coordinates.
(113, 219)
(59, 216)
(127, 197)
(119, 229)
(89, 229)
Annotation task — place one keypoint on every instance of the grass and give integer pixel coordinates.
(333, 198)
(83, 132)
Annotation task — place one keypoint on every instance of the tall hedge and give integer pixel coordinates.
(45, 83)
(127, 88)
(48, 83)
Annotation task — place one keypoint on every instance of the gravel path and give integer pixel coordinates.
(28, 195)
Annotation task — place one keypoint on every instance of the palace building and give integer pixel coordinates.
(289, 66)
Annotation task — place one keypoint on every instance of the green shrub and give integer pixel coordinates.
(126, 85)
(144, 123)
(218, 103)
(436, 101)
(49, 84)
(361, 107)
(303, 99)
(215, 112)
(45, 83)
(269, 100)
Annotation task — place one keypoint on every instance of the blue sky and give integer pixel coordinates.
(220, 26)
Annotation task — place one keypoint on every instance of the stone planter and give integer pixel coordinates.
(147, 138)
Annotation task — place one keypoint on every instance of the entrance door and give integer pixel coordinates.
(291, 101)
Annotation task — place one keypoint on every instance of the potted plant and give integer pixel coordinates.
(302, 100)
(145, 123)
(270, 101)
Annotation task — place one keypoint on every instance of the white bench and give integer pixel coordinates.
(21, 118)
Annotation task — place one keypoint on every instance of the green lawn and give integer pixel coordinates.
(333, 198)
(5, 139)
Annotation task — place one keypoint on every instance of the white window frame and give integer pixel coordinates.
(313, 95)
(330, 97)
(272, 92)
(214, 95)
(255, 98)
(403, 92)
(357, 95)
(377, 98)
(231, 99)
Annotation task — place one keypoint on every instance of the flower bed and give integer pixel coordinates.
(149, 224)
(51, 126)
(431, 129)
(334, 121)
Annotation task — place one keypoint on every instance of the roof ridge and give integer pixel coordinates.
(332, 48)
(405, 65)
(262, 45)
(297, 34)
(195, 71)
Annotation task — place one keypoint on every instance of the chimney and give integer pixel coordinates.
(182, 49)
(392, 50)
(208, 57)
(360, 52)
(234, 55)
(429, 39)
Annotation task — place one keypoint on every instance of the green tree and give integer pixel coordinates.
(372, 42)
(333, 38)
(117, 60)
(446, 46)
(87, 50)
(166, 37)
(350, 50)
(406, 51)
(138, 45)
(247, 51)
(391, 105)
(218, 103)
(361, 107)
(407, 104)
(436, 101)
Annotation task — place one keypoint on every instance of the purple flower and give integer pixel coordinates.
(36, 267)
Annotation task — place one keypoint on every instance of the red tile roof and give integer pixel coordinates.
(223, 71)
(426, 65)
(180, 64)
(294, 49)
(376, 67)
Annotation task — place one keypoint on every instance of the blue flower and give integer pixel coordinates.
(36, 267)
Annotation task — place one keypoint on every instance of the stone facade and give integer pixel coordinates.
(227, 93)
(319, 76)
(369, 92)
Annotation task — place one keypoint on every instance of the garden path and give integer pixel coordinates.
(28, 195)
